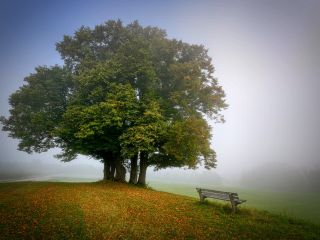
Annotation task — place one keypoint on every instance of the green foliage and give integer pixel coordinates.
(95, 129)
(188, 142)
(146, 132)
(37, 107)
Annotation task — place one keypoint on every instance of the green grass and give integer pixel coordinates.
(107, 210)
(295, 204)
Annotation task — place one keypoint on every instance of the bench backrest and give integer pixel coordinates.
(235, 197)
(214, 194)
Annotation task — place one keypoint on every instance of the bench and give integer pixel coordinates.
(227, 196)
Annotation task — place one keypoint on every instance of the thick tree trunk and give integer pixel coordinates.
(112, 169)
(106, 169)
(134, 169)
(120, 171)
(107, 160)
(143, 168)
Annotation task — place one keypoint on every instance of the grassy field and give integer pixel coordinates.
(294, 204)
(48, 210)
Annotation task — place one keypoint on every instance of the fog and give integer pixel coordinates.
(266, 55)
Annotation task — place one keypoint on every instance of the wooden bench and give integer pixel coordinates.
(227, 196)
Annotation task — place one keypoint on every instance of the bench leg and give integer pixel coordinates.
(234, 207)
(201, 198)
(233, 203)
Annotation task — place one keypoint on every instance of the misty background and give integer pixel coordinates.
(266, 55)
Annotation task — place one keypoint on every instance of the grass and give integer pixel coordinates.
(107, 210)
(295, 204)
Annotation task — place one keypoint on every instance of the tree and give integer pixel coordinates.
(126, 94)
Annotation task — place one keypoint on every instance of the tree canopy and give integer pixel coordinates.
(125, 93)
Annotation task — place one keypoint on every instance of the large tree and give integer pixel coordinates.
(125, 95)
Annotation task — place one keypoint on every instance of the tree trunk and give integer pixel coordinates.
(143, 168)
(107, 159)
(134, 169)
(120, 171)
(112, 169)
(106, 169)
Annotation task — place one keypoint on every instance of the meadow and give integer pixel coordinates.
(108, 210)
(303, 205)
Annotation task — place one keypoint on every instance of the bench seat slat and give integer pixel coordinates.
(226, 199)
(216, 196)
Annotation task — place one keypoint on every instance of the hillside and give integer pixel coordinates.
(43, 210)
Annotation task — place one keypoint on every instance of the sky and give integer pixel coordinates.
(266, 56)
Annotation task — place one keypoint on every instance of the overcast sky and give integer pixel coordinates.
(266, 55)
